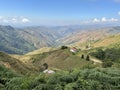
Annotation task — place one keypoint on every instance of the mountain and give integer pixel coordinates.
(89, 35)
(12, 42)
(23, 40)
(113, 40)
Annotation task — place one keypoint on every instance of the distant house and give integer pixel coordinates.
(48, 71)
(74, 49)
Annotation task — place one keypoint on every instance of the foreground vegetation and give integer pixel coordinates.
(77, 79)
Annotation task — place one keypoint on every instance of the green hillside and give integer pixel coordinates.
(15, 64)
(61, 59)
(107, 50)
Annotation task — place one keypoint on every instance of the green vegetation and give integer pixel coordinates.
(87, 58)
(109, 55)
(64, 47)
(61, 59)
(6, 75)
(15, 64)
(84, 79)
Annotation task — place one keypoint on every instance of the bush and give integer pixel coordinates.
(82, 56)
(64, 47)
(106, 64)
(99, 53)
(88, 58)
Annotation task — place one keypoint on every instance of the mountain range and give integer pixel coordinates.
(22, 40)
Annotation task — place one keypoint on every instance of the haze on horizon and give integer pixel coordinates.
(59, 12)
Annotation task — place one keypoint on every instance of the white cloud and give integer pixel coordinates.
(113, 20)
(25, 20)
(14, 20)
(95, 20)
(103, 19)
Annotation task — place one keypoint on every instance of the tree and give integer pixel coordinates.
(45, 65)
(106, 64)
(64, 47)
(82, 56)
(100, 54)
(87, 58)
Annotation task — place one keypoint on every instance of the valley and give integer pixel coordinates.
(82, 59)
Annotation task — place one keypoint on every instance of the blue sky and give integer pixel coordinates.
(59, 12)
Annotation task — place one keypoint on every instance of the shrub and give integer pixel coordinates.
(88, 58)
(106, 64)
(64, 47)
(82, 56)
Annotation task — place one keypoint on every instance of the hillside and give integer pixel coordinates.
(109, 41)
(60, 59)
(91, 35)
(26, 39)
(12, 42)
(26, 57)
(14, 64)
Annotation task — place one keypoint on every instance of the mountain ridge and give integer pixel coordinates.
(24, 40)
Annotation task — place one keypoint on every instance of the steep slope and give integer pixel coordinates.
(23, 40)
(14, 64)
(39, 36)
(12, 42)
(108, 41)
(89, 35)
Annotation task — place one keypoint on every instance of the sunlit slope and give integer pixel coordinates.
(41, 50)
(109, 41)
(61, 59)
(14, 64)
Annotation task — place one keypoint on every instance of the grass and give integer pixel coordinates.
(61, 59)
(109, 41)
(14, 64)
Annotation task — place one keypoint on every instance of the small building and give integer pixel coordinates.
(74, 49)
(48, 71)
